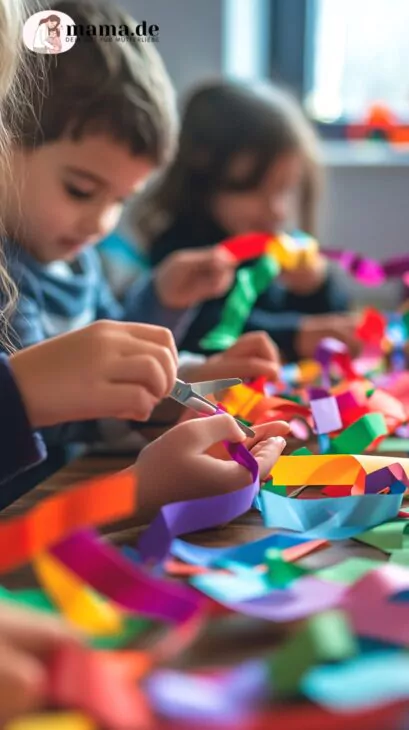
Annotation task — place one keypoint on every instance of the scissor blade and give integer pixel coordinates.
(208, 387)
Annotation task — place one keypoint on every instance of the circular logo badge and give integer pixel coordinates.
(49, 32)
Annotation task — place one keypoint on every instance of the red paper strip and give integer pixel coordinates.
(89, 681)
(91, 503)
(247, 246)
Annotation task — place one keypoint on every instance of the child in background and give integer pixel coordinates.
(83, 149)
(247, 158)
(80, 375)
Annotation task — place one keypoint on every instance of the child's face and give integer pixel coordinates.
(71, 194)
(269, 206)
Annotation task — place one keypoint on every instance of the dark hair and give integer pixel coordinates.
(222, 120)
(120, 88)
(54, 18)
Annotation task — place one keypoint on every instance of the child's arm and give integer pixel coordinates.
(168, 295)
(107, 370)
(254, 355)
(20, 447)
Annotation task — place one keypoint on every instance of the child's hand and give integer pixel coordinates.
(253, 355)
(106, 370)
(27, 639)
(186, 278)
(306, 278)
(314, 328)
(176, 466)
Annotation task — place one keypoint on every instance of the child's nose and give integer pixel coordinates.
(279, 210)
(100, 223)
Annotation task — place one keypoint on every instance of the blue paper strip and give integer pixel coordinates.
(334, 518)
(251, 553)
(364, 681)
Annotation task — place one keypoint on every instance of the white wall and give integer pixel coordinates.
(190, 35)
(366, 204)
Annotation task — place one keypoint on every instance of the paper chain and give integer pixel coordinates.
(283, 252)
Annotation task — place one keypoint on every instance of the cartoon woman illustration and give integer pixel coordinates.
(46, 40)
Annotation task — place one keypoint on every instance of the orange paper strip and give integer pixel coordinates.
(91, 503)
(296, 552)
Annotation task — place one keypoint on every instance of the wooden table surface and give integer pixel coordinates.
(226, 640)
(245, 529)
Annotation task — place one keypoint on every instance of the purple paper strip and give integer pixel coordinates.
(306, 596)
(393, 476)
(369, 271)
(326, 415)
(181, 518)
(225, 697)
(106, 570)
(324, 353)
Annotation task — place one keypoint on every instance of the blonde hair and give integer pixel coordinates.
(12, 13)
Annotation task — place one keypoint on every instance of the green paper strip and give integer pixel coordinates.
(250, 283)
(302, 451)
(388, 537)
(280, 573)
(394, 445)
(348, 571)
(276, 488)
(324, 638)
(39, 601)
(400, 557)
(361, 434)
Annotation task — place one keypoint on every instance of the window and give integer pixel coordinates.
(360, 58)
(342, 58)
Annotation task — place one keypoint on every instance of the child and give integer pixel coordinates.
(79, 375)
(83, 150)
(55, 40)
(246, 158)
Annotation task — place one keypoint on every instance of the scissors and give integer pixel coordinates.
(192, 395)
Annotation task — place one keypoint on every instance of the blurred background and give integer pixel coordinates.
(341, 59)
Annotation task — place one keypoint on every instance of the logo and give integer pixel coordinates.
(55, 32)
(47, 32)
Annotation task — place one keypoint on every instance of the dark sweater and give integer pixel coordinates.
(21, 449)
(277, 311)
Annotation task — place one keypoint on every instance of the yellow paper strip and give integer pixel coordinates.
(53, 721)
(240, 400)
(79, 604)
(329, 469)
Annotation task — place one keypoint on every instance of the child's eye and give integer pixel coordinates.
(77, 193)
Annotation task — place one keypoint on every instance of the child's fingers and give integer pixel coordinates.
(267, 453)
(126, 402)
(153, 368)
(258, 345)
(227, 366)
(255, 367)
(152, 333)
(33, 631)
(198, 435)
(218, 258)
(23, 682)
(267, 430)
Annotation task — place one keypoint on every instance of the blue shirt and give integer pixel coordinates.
(60, 297)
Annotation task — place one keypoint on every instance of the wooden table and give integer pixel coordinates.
(226, 640)
(245, 529)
